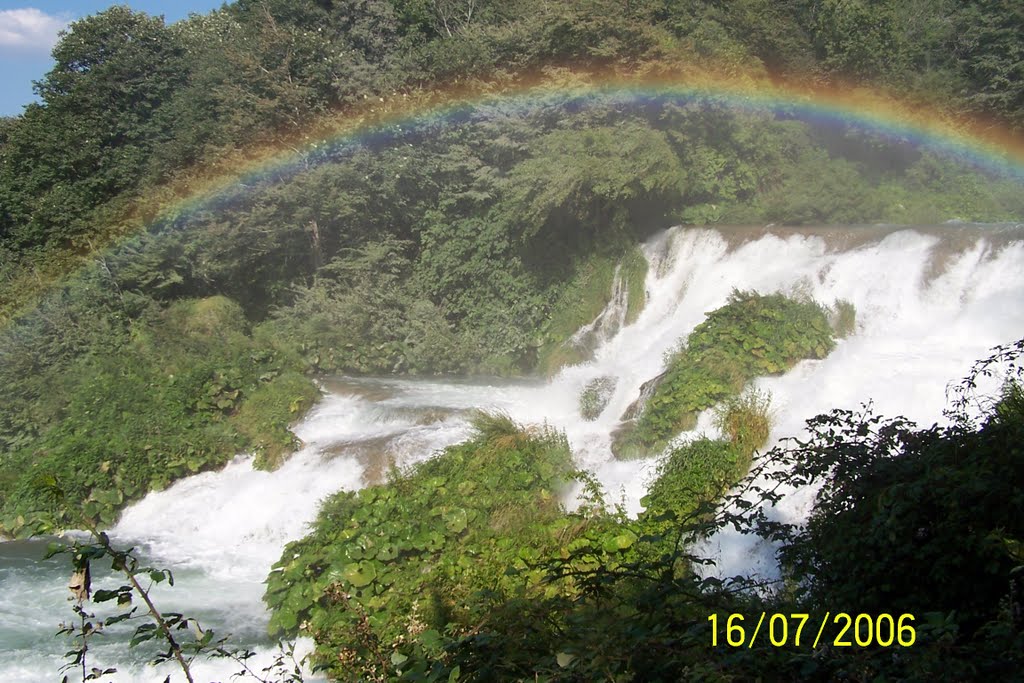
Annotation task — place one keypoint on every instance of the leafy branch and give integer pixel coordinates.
(184, 637)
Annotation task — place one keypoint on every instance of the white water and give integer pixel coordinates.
(929, 302)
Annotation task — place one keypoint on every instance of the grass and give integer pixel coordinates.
(746, 420)
(843, 318)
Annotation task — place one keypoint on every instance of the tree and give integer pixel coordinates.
(89, 140)
(922, 521)
(992, 53)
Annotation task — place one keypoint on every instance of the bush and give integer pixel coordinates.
(694, 473)
(265, 416)
(925, 522)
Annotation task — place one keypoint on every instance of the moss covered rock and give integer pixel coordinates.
(595, 396)
(751, 336)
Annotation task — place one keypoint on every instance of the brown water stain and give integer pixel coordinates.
(374, 455)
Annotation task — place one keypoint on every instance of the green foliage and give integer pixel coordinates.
(269, 410)
(393, 571)
(857, 37)
(633, 271)
(593, 177)
(365, 316)
(580, 301)
(751, 336)
(694, 473)
(699, 472)
(930, 518)
(168, 397)
(132, 103)
(595, 396)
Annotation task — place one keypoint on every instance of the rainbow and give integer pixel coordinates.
(983, 145)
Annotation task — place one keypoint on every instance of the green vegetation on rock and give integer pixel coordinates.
(700, 471)
(393, 573)
(751, 336)
(633, 271)
(595, 397)
(264, 418)
(694, 473)
(468, 562)
(580, 301)
(166, 394)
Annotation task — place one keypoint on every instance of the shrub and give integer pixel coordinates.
(694, 473)
(390, 571)
(265, 417)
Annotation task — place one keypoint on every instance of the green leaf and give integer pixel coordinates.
(360, 574)
(619, 542)
(455, 520)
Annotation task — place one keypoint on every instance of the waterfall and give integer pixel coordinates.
(929, 301)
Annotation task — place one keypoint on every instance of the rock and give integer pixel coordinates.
(595, 396)
(636, 408)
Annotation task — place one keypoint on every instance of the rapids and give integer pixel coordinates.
(929, 300)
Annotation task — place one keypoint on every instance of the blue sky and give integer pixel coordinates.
(28, 29)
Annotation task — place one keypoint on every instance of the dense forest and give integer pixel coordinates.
(145, 338)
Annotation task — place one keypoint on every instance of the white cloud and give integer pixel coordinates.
(30, 30)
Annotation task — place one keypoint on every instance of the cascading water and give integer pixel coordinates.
(929, 301)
